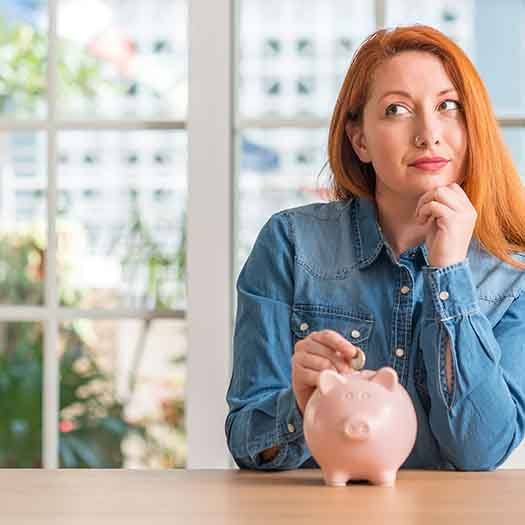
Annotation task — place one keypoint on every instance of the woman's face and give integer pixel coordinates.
(391, 122)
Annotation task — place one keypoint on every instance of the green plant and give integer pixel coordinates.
(92, 422)
(20, 395)
(23, 56)
(163, 267)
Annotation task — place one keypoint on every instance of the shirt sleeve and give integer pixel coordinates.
(262, 408)
(481, 419)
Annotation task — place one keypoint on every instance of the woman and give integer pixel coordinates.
(418, 261)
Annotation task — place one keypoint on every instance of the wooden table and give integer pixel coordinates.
(189, 497)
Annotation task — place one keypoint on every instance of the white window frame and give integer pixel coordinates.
(51, 314)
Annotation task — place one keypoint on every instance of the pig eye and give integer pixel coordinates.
(349, 395)
(365, 395)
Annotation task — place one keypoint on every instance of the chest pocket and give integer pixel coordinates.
(356, 327)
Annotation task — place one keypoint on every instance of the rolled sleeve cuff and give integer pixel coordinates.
(290, 420)
(449, 291)
(288, 436)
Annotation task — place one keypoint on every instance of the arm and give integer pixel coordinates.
(478, 401)
(263, 413)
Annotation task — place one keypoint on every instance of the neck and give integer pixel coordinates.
(396, 216)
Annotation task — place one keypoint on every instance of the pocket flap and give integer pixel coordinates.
(353, 326)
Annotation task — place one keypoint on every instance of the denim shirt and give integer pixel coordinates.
(328, 266)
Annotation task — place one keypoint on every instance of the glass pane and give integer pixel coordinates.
(294, 54)
(21, 346)
(124, 58)
(515, 140)
(490, 32)
(280, 168)
(122, 219)
(23, 234)
(23, 58)
(122, 394)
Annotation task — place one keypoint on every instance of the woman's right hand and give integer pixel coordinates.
(318, 351)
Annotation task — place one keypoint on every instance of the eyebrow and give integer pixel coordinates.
(405, 94)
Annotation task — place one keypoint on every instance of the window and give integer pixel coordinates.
(306, 46)
(100, 86)
(96, 283)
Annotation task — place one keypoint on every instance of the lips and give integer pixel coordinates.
(430, 165)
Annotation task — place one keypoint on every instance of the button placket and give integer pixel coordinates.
(402, 317)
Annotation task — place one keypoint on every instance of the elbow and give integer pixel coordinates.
(487, 458)
(475, 466)
(240, 461)
(238, 448)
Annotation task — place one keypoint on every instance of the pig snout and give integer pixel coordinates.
(357, 429)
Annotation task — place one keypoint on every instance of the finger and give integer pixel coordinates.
(334, 358)
(309, 377)
(446, 195)
(426, 197)
(456, 187)
(336, 342)
(443, 194)
(319, 363)
(433, 210)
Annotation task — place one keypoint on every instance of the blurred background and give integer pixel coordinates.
(94, 155)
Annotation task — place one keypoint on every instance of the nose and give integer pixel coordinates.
(427, 133)
(357, 429)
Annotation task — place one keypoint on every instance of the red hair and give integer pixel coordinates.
(492, 182)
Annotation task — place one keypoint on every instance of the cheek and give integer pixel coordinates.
(388, 147)
(456, 138)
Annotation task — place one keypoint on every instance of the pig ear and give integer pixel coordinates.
(386, 377)
(329, 379)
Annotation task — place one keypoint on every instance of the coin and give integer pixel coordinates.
(358, 362)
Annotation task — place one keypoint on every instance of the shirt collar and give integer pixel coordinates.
(367, 235)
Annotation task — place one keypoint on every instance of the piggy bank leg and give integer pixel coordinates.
(384, 479)
(335, 478)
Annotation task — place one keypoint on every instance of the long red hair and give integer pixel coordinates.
(492, 182)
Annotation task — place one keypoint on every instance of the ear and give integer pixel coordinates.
(386, 377)
(358, 140)
(329, 379)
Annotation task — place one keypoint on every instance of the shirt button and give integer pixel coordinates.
(400, 352)
(405, 289)
(413, 254)
(443, 296)
(304, 326)
(291, 428)
(356, 333)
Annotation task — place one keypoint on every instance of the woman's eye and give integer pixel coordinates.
(456, 104)
(387, 111)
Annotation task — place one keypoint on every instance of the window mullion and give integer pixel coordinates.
(50, 394)
(380, 13)
(209, 254)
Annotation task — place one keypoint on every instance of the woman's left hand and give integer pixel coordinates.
(451, 218)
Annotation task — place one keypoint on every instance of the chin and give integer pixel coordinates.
(435, 180)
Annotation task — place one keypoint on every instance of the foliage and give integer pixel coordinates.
(143, 251)
(23, 55)
(93, 424)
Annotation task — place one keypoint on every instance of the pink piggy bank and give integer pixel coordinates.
(360, 426)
